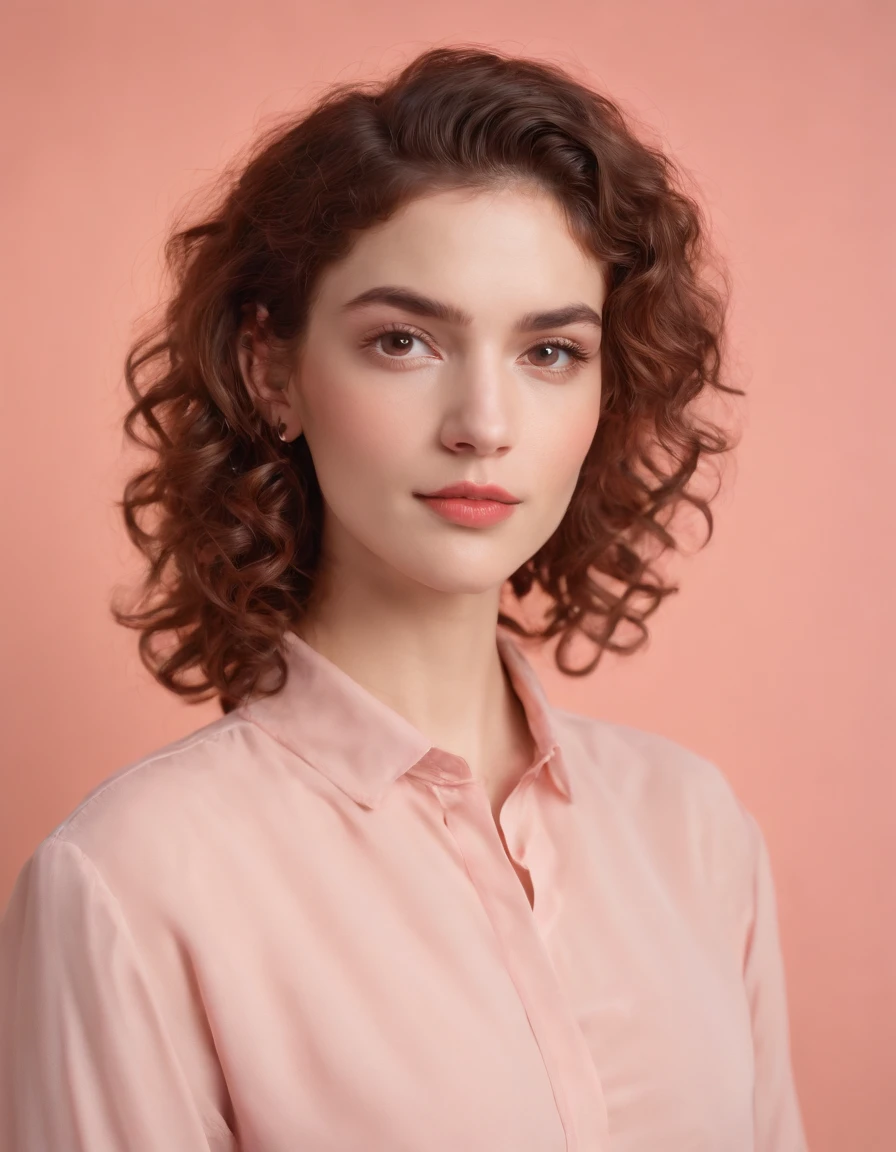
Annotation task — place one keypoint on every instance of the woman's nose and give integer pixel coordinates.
(481, 409)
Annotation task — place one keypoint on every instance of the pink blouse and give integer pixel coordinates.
(297, 930)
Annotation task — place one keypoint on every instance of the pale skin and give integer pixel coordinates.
(409, 600)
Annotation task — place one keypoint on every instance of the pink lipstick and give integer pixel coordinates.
(475, 505)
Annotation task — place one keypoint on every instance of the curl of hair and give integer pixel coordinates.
(233, 538)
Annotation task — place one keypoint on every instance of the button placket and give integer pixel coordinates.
(530, 844)
(567, 1058)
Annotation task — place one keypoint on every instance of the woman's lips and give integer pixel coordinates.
(474, 513)
(470, 490)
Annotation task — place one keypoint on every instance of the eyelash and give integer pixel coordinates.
(578, 353)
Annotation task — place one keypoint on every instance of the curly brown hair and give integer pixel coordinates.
(233, 545)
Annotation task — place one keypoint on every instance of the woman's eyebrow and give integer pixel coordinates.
(421, 305)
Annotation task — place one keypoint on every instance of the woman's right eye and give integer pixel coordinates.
(397, 344)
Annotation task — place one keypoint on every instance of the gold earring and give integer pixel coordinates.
(281, 430)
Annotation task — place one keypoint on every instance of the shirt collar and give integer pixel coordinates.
(362, 744)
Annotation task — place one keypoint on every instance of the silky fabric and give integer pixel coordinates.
(297, 930)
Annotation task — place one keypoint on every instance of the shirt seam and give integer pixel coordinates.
(190, 741)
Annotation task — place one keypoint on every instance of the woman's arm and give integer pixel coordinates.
(777, 1117)
(86, 1063)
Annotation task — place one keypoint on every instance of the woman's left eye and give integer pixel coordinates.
(573, 350)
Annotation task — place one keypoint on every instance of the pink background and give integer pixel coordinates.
(775, 659)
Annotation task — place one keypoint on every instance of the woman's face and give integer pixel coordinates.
(396, 400)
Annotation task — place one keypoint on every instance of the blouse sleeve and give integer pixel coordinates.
(778, 1122)
(86, 1064)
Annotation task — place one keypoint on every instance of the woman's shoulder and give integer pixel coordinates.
(626, 755)
(179, 766)
(658, 783)
(150, 815)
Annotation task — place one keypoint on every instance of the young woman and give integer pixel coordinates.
(431, 360)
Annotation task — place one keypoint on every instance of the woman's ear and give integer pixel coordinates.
(254, 357)
(253, 353)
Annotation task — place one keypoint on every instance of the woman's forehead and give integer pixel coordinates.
(452, 259)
